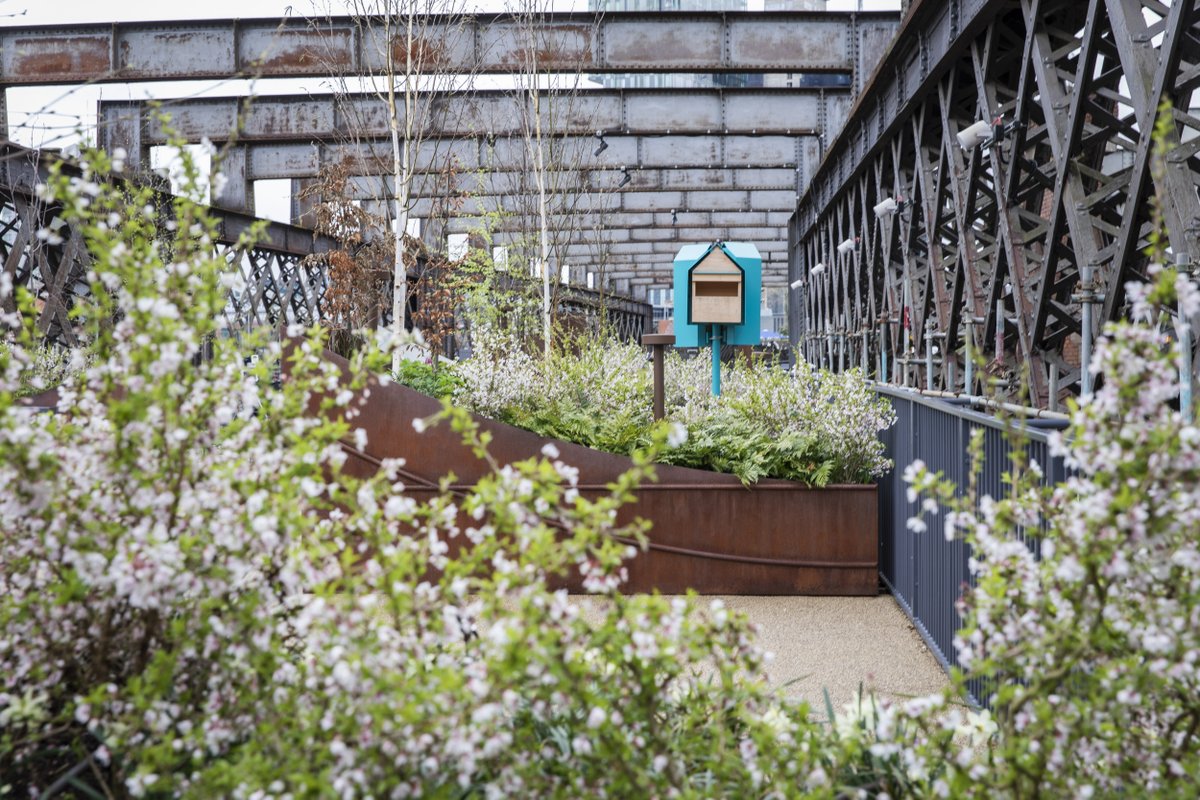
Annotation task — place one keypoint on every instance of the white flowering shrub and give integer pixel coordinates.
(157, 515)
(198, 598)
(43, 366)
(1093, 651)
(806, 425)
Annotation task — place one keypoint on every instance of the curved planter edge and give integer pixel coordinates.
(710, 533)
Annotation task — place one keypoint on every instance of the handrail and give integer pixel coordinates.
(940, 401)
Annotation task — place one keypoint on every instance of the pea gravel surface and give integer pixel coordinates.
(837, 644)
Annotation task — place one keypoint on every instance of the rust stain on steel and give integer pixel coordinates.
(306, 51)
(62, 57)
(709, 532)
(570, 46)
(363, 164)
(824, 46)
(424, 54)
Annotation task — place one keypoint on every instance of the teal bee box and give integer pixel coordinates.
(718, 284)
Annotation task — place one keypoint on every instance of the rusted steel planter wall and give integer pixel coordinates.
(710, 533)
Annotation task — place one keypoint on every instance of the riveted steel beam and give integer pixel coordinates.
(663, 251)
(306, 158)
(649, 200)
(793, 41)
(486, 115)
(701, 220)
(771, 188)
(768, 237)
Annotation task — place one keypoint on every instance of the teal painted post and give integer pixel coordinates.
(716, 359)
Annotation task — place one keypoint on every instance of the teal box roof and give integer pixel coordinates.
(746, 256)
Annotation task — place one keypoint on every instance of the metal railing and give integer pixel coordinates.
(925, 573)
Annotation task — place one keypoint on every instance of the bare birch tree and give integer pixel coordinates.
(409, 46)
(550, 93)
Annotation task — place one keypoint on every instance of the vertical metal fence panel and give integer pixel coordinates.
(925, 573)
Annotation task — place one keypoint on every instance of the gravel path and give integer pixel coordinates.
(838, 644)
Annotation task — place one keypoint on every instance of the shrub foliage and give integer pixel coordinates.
(809, 425)
(198, 599)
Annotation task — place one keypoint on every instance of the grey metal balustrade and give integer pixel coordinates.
(927, 574)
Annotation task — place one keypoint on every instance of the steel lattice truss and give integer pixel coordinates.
(991, 241)
(278, 285)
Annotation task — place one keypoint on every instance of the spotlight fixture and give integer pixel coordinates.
(886, 206)
(796, 284)
(625, 177)
(491, 140)
(600, 148)
(974, 135)
(818, 269)
(674, 217)
(847, 246)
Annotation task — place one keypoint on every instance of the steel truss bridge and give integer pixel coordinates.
(724, 163)
(1008, 244)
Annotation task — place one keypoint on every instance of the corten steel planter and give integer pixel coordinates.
(710, 533)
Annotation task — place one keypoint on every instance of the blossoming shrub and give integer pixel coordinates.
(42, 366)
(198, 598)
(809, 425)
(1094, 650)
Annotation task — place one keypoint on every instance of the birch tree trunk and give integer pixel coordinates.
(400, 273)
(401, 171)
(543, 223)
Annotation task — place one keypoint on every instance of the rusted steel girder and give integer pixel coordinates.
(789, 41)
(610, 180)
(486, 114)
(629, 198)
(620, 220)
(992, 238)
(771, 238)
(661, 248)
(304, 157)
